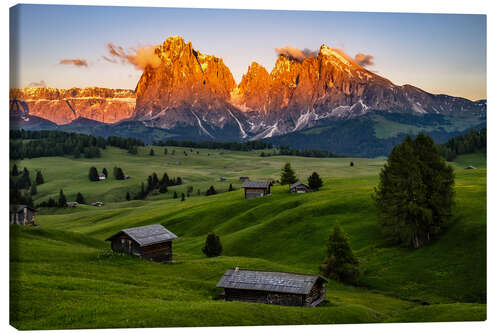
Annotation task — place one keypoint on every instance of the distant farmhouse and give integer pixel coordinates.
(72, 204)
(102, 176)
(244, 179)
(223, 179)
(273, 287)
(151, 242)
(255, 189)
(22, 215)
(98, 203)
(300, 187)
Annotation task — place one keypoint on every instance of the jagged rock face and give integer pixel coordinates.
(62, 106)
(187, 88)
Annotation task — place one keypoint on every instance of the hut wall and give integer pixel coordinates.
(263, 297)
(157, 252)
(316, 295)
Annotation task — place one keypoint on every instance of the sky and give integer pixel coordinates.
(63, 46)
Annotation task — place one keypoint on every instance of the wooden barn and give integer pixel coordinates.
(151, 242)
(269, 287)
(244, 179)
(300, 187)
(255, 189)
(22, 214)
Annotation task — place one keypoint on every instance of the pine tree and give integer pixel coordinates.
(15, 171)
(352, 164)
(341, 264)
(315, 182)
(213, 246)
(93, 174)
(79, 198)
(183, 197)
(155, 181)
(105, 172)
(211, 191)
(287, 175)
(164, 179)
(62, 199)
(230, 187)
(127, 196)
(175, 195)
(415, 194)
(152, 152)
(163, 188)
(25, 179)
(33, 189)
(39, 178)
(165, 151)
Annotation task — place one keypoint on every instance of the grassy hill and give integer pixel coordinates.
(67, 258)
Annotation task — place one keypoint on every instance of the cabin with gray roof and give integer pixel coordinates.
(270, 287)
(255, 189)
(300, 187)
(151, 242)
(22, 215)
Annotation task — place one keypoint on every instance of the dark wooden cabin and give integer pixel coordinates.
(22, 215)
(269, 287)
(255, 189)
(300, 187)
(151, 242)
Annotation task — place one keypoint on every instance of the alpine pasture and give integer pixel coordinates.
(63, 274)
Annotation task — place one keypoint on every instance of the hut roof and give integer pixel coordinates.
(282, 282)
(148, 235)
(256, 184)
(294, 185)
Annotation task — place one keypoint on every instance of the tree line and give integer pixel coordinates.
(238, 146)
(471, 142)
(32, 144)
(288, 151)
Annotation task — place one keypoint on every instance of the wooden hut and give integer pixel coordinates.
(244, 179)
(300, 187)
(273, 287)
(151, 242)
(255, 189)
(22, 215)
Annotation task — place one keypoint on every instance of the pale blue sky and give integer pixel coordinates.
(440, 53)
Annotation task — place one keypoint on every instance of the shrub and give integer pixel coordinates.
(213, 246)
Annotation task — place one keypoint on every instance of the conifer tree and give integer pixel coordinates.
(287, 175)
(79, 198)
(39, 178)
(93, 174)
(230, 187)
(341, 264)
(127, 196)
(175, 195)
(415, 194)
(163, 188)
(105, 172)
(15, 171)
(62, 199)
(152, 152)
(25, 179)
(165, 151)
(213, 246)
(183, 197)
(314, 181)
(33, 189)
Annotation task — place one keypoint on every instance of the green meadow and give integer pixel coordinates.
(63, 274)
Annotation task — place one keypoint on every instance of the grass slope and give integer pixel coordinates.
(67, 259)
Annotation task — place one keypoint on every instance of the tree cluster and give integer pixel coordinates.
(315, 181)
(415, 194)
(154, 183)
(237, 146)
(471, 142)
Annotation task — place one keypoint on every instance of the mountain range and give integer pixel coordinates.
(324, 101)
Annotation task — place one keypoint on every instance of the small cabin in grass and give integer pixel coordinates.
(300, 187)
(102, 176)
(244, 179)
(151, 242)
(98, 203)
(22, 215)
(255, 189)
(71, 204)
(269, 287)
